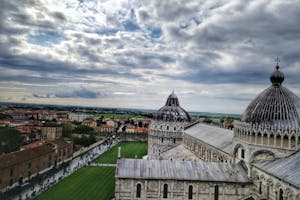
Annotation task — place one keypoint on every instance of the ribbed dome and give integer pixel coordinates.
(172, 110)
(276, 106)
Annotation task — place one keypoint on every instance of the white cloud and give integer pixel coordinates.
(138, 51)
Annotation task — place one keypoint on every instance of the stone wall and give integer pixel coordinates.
(205, 151)
(178, 189)
(163, 136)
(133, 137)
(269, 187)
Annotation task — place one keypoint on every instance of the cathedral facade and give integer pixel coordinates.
(259, 159)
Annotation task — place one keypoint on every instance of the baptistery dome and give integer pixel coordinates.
(276, 106)
(172, 111)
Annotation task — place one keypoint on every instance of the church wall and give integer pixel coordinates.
(204, 151)
(280, 139)
(269, 186)
(177, 189)
(163, 136)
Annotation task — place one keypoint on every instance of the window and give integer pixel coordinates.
(190, 192)
(29, 165)
(260, 191)
(167, 127)
(165, 193)
(162, 140)
(11, 171)
(174, 141)
(243, 153)
(216, 197)
(138, 190)
(280, 194)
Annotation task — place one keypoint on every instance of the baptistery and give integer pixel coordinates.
(167, 126)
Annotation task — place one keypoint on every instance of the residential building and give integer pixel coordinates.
(51, 131)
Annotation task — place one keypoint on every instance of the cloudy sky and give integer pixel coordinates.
(216, 55)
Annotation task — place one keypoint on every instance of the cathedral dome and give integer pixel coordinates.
(172, 110)
(275, 107)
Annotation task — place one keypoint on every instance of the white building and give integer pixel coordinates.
(258, 160)
(166, 129)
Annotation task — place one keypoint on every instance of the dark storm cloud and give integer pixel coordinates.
(143, 60)
(28, 78)
(80, 93)
(185, 42)
(41, 95)
(174, 10)
(251, 33)
(45, 66)
(13, 13)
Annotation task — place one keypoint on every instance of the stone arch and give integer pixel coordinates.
(262, 155)
(293, 142)
(278, 141)
(235, 149)
(285, 141)
(138, 190)
(265, 138)
(259, 138)
(272, 139)
(252, 137)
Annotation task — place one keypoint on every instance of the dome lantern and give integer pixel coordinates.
(172, 110)
(277, 77)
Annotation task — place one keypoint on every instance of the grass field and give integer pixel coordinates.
(87, 183)
(90, 183)
(128, 150)
(120, 115)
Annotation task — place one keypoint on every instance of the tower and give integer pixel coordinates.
(167, 127)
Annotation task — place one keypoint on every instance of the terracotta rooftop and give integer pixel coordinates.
(33, 145)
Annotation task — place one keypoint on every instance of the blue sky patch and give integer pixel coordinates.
(131, 26)
(107, 31)
(45, 37)
(156, 32)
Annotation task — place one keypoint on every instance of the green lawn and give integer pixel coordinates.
(94, 183)
(88, 183)
(128, 150)
(121, 115)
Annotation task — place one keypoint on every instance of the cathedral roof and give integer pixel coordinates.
(181, 170)
(217, 137)
(179, 153)
(286, 169)
(276, 106)
(172, 111)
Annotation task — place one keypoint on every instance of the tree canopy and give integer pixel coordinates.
(10, 140)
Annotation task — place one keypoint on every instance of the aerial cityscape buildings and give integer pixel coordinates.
(149, 99)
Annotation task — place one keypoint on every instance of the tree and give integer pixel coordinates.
(84, 140)
(10, 140)
(82, 129)
(67, 129)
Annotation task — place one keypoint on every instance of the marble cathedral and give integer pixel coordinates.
(259, 159)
